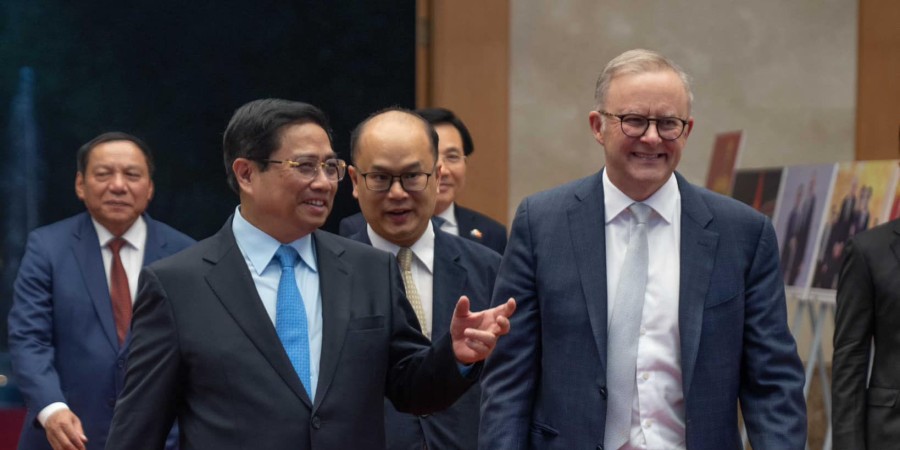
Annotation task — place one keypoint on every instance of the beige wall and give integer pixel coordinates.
(785, 72)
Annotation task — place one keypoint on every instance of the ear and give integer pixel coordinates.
(79, 185)
(438, 171)
(351, 170)
(596, 122)
(690, 127)
(150, 192)
(243, 172)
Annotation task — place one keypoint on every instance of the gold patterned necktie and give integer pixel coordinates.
(404, 256)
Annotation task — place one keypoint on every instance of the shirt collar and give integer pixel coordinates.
(260, 248)
(135, 236)
(423, 249)
(663, 201)
(449, 215)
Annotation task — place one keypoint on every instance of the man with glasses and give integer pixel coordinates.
(650, 309)
(274, 335)
(395, 174)
(454, 148)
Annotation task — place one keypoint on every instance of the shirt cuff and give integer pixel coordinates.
(464, 369)
(49, 410)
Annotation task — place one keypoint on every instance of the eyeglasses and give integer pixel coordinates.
(410, 181)
(334, 169)
(635, 125)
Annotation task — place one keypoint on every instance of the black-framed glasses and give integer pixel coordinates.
(409, 181)
(333, 168)
(635, 125)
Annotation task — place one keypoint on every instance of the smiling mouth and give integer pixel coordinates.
(648, 156)
(317, 203)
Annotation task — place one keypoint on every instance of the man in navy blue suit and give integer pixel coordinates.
(454, 147)
(710, 330)
(395, 174)
(68, 330)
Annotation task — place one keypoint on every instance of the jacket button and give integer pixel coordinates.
(316, 423)
(120, 363)
(600, 447)
(603, 392)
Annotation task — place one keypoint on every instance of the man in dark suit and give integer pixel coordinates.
(395, 177)
(454, 147)
(866, 411)
(648, 307)
(72, 298)
(274, 335)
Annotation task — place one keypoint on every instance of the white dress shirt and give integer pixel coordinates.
(657, 420)
(422, 266)
(132, 256)
(258, 249)
(449, 216)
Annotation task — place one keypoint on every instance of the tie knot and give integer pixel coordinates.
(287, 256)
(404, 256)
(116, 244)
(641, 211)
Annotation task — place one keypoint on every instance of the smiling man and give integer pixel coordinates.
(72, 300)
(648, 307)
(273, 334)
(395, 177)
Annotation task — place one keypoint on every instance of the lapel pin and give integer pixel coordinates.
(475, 233)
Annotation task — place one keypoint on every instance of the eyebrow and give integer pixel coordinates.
(405, 169)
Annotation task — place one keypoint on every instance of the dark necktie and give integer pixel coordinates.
(119, 291)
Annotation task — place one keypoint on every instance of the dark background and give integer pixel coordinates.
(172, 73)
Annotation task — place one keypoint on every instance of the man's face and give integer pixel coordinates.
(115, 186)
(453, 163)
(395, 144)
(641, 165)
(279, 201)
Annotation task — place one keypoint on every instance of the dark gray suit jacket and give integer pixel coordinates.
(204, 351)
(472, 225)
(868, 306)
(544, 386)
(461, 267)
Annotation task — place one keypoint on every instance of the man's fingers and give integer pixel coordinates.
(462, 307)
(478, 339)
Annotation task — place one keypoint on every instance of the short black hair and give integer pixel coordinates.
(84, 152)
(254, 131)
(438, 116)
(357, 132)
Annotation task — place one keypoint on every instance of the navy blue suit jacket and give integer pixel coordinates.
(460, 268)
(473, 226)
(544, 386)
(62, 335)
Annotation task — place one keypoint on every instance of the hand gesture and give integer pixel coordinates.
(475, 334)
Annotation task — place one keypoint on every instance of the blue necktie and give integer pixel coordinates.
(290, 316)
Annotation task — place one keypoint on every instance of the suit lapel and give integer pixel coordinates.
(895, 245)
(156, 242)
(588, 235)
(86, 247)
(230, 279)
(698, 252)
(450, 277)
(334, 282)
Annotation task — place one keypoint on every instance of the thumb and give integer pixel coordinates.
(462, 307)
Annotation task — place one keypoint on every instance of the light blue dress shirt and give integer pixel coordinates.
(258, 249)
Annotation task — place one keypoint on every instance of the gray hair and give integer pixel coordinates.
(635, 62)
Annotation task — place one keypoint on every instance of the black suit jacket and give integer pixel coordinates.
(204, 351)
(473, 226)
(461, 268)
(868, 306)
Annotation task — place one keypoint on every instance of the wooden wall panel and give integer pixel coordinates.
(878, 81)
(467, 71)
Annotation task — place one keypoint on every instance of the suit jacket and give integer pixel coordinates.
(62, 335)
(472, 225)
(461, 268)
(868, 306)
(544, 386)
(204, 351)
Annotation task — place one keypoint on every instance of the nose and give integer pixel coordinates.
(320, 181)
(117, 182)
(396, 190)
(651, 136)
